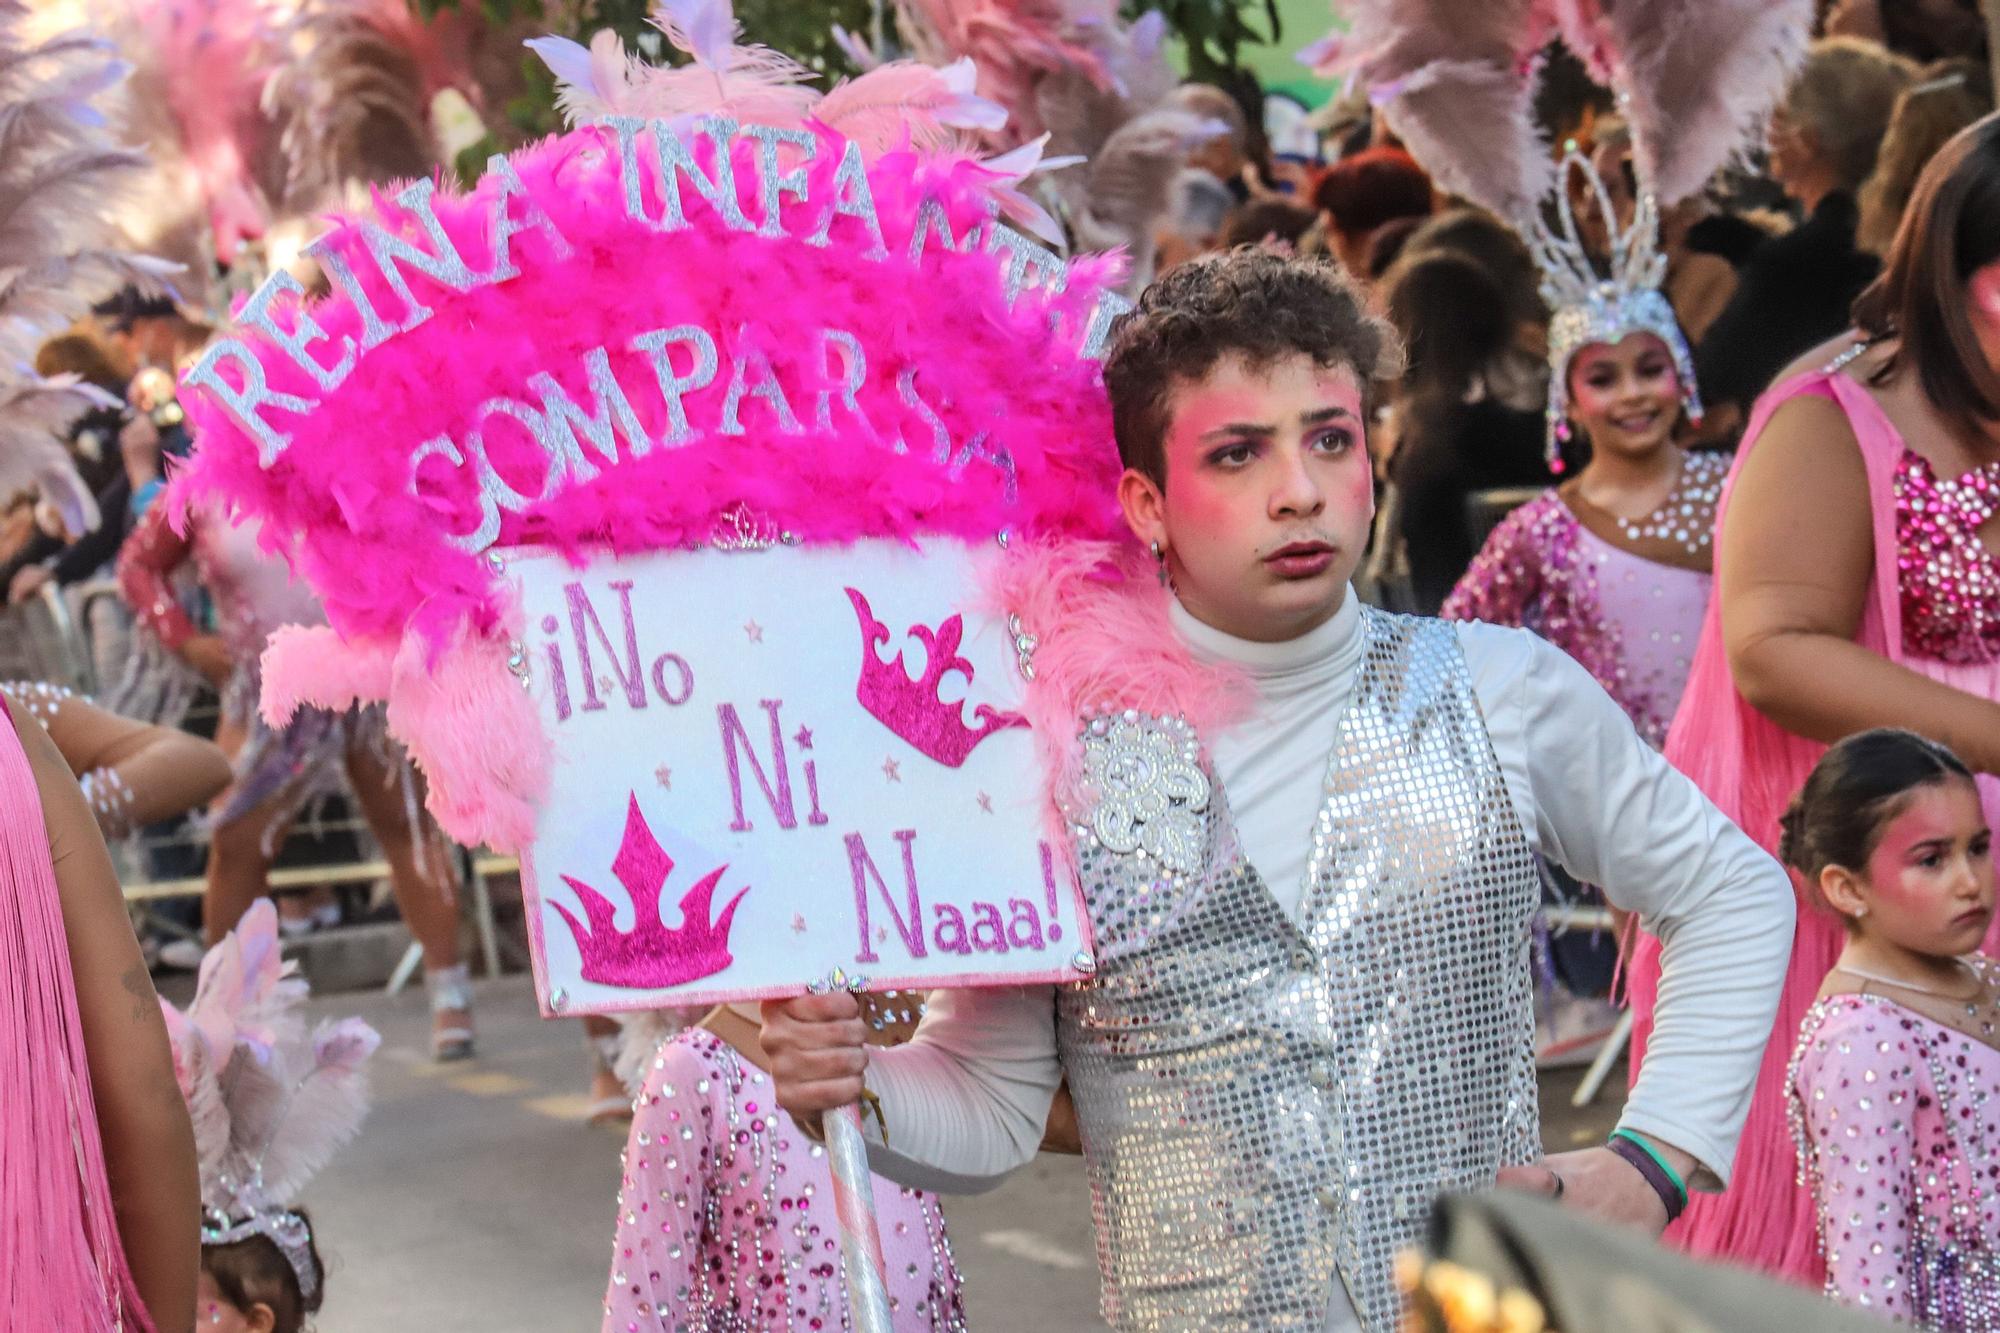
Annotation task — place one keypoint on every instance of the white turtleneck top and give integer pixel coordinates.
(967, 1098)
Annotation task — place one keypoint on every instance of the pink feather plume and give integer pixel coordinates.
(1457, 80)
(1015, 44)
(271, 1101)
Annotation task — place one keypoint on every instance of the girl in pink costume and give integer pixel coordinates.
(726, 1218)
(278, 770)
(1894, 1090)
(1857, 590)
(1622, 595)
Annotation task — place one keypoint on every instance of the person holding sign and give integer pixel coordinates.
(1306, 833)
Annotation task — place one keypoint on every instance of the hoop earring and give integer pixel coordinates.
(1160, 555)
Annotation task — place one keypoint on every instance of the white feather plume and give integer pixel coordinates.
(59, 171)
(271, 1101)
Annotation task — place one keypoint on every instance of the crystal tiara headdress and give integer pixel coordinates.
(1589, 305)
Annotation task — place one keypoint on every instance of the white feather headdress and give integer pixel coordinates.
(59, 168)
(1695, 79)
(271, 1101)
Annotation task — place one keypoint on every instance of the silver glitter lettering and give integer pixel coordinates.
(672, 386)
(612, 416)
(305, 329)
(750, 372)
(854, 367)
(491, 483)
(932, 220)
(489, 507)
(1029, 263)
(442, 263)
(243, 406)
(505, 227)
(1097, 334)
(852, 198)
(772, 184)
(675, 160)
(341, 276)
(983, 448)
(906, 388)
(629, 173)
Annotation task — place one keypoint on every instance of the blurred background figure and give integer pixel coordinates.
(1358, 196)
(1796, 289)
(1198, 209)
(1948, 96)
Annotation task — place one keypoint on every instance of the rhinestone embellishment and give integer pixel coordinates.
(1149, 787)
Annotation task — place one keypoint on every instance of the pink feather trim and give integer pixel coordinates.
(1104, 640)
(378, 551)
(462, 714)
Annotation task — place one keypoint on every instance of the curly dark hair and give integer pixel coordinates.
(1250, 303)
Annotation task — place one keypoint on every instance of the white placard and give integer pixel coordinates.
(756, 749)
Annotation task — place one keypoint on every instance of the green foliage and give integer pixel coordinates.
(1215, 31)
(802, 29)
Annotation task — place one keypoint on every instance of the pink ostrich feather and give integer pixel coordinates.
(905, 102)
(210, 59)
(1103, 639)
(1702, 77)
(748, 82)
(1457, 80)
(272, 1100)
(1015, 44)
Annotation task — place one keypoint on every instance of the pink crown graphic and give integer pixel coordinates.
(649, 956)
(912, 708)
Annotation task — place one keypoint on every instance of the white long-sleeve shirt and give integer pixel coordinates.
(966, 1100)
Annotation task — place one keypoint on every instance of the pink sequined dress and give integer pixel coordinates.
(1935, 608)
(1628, 610)
(1896, 1121)
(726, 1221)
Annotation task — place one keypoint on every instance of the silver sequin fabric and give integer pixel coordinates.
(1270, 1105)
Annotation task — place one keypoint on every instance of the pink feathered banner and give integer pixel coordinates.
(618, 339)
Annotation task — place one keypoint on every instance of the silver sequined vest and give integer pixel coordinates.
(1269, 1104)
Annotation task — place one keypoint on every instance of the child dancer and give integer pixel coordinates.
(726, 1217)
(1894, 1091)
(1614, 565)
(271, 1103)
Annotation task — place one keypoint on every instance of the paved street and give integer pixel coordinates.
(478, 1202)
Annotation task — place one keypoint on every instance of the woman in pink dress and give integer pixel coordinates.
(280, 769)
(726, 1219)
(1894, 1093)
(1857, 588)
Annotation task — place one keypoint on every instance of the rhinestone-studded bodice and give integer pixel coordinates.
(1269, 1105)
(1949, 582)
(1896, 1120)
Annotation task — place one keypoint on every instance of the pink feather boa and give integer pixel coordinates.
(1104, 640)
(422, 622)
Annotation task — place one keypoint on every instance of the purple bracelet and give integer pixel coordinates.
(1643, 1163)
